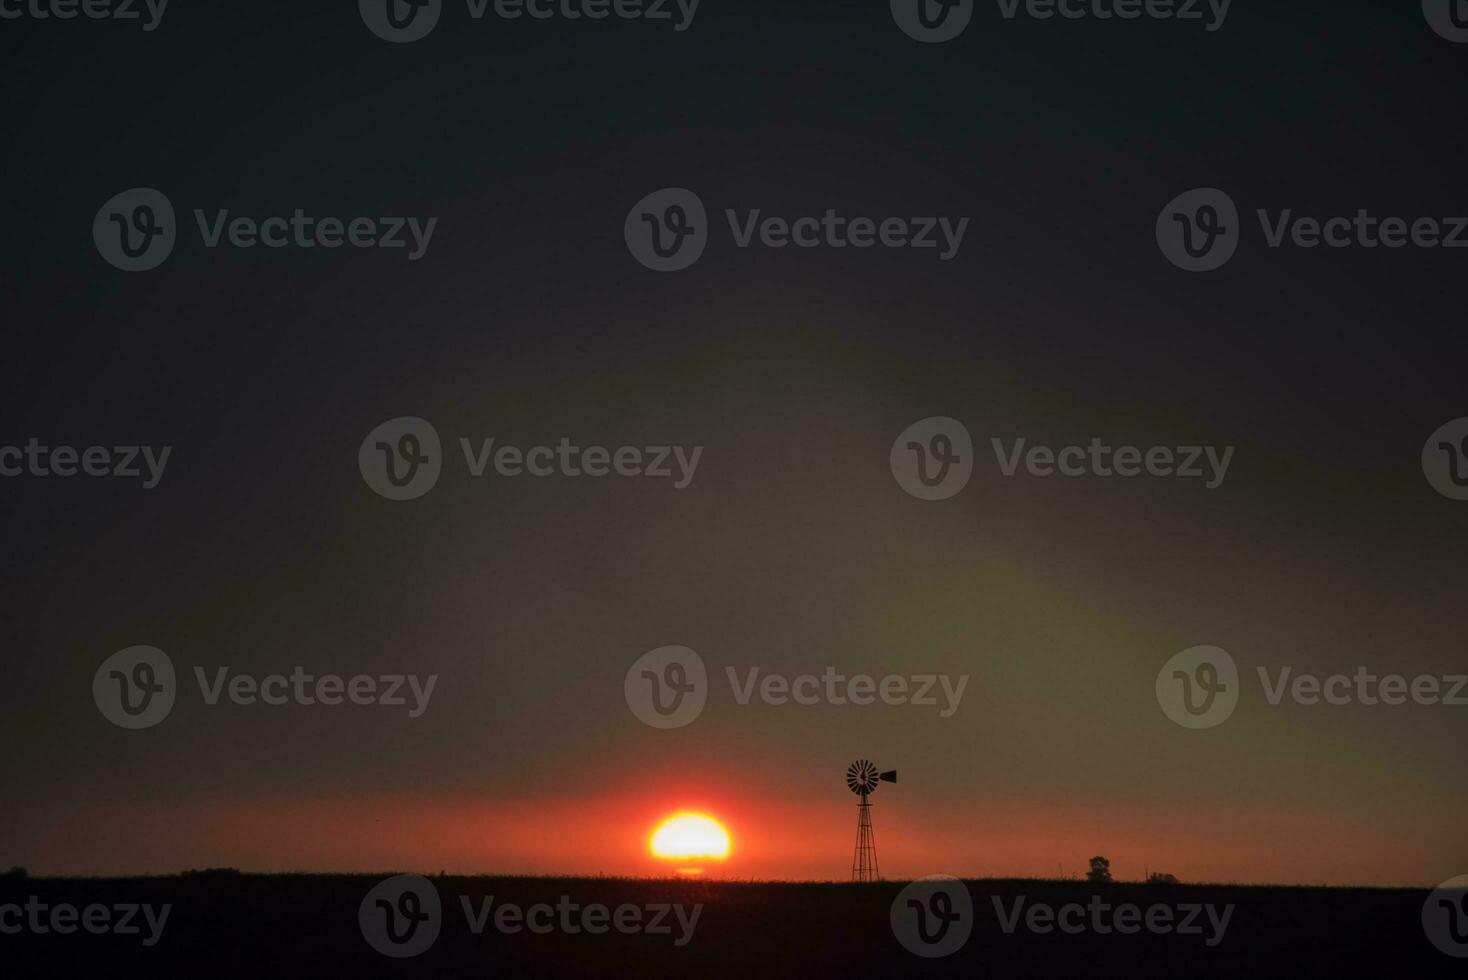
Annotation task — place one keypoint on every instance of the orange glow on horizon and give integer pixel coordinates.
(780, 838)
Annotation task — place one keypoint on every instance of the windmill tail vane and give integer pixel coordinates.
(862, 778)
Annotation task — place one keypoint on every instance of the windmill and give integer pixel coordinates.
(862, 778)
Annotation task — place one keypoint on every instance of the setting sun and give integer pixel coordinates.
(690, 836)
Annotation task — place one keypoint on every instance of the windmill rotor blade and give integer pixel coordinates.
(863, 777)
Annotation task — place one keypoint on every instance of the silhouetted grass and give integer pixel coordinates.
(227, 924)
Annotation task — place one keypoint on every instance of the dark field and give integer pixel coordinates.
(226, 925)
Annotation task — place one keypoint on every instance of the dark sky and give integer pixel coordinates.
(528, 320)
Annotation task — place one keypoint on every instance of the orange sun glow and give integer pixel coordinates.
(690, 837)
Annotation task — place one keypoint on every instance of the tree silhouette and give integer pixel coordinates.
(1100, 872)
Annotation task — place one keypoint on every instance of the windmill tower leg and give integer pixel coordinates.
(864, 861)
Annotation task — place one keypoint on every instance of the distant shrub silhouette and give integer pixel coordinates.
(211, 873)
(16, 873)
(1100, 872)
(1161, 878)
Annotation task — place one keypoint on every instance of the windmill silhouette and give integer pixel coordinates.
(862, 778)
